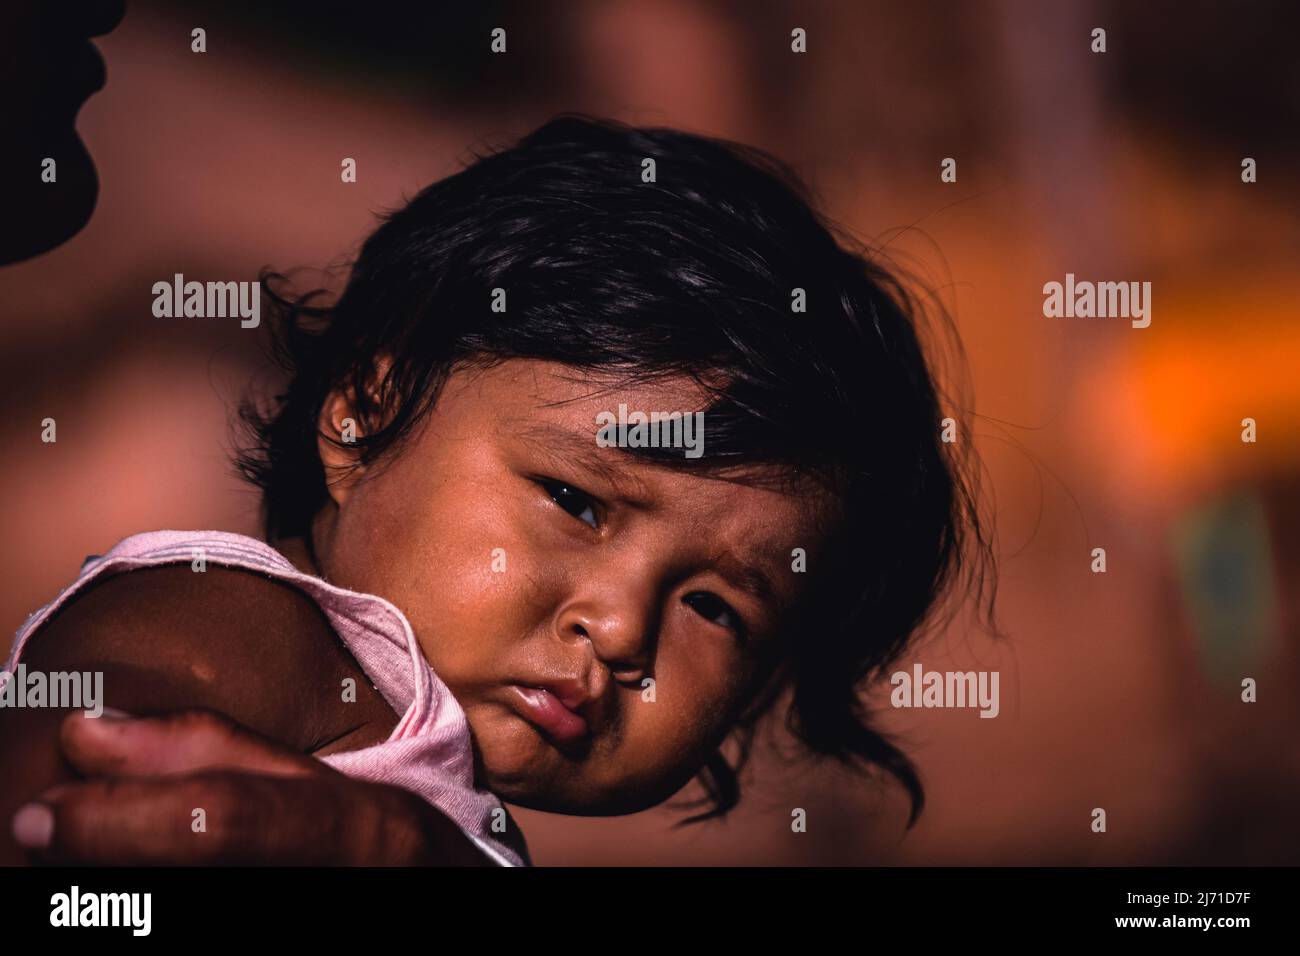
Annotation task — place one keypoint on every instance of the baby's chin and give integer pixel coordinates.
(520, 765)
(510, 754)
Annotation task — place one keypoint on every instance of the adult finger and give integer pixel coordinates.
(220, 817)
(179, 742)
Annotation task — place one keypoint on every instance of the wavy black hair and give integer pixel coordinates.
(692, 270)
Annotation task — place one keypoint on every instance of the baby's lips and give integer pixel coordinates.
(545, 709)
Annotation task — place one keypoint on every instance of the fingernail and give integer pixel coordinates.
(112, 713)
(33, 826)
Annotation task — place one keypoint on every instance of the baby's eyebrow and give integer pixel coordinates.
(581, 449)
(748, 576)
(742, 572)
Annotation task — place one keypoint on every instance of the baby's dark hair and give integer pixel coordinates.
(642, 253)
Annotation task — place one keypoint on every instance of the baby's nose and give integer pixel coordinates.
(619, 641)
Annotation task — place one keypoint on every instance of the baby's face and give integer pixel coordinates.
(598, 618)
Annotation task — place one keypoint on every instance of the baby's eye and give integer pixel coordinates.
(573, 500)
(713, 608)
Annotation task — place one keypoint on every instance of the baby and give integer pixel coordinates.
(481, 580)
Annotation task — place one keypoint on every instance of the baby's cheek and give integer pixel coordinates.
(681, 715)
(484, 561)
(476, 607)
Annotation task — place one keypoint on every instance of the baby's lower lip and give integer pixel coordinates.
(545, 710)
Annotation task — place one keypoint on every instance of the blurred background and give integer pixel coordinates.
(1119, 690)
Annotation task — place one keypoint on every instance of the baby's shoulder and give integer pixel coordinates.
(168, 637)
(170, 611)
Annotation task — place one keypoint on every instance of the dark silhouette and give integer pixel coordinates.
(48, 69)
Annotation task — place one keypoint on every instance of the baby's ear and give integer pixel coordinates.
(343, 420)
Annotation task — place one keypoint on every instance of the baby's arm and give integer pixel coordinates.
(169, 638)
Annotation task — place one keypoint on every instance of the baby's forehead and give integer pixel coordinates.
(557, 411)
(523, 384)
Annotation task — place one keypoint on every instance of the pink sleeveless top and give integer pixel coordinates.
(428, 752)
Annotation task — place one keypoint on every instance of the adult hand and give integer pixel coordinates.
(147, 778)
